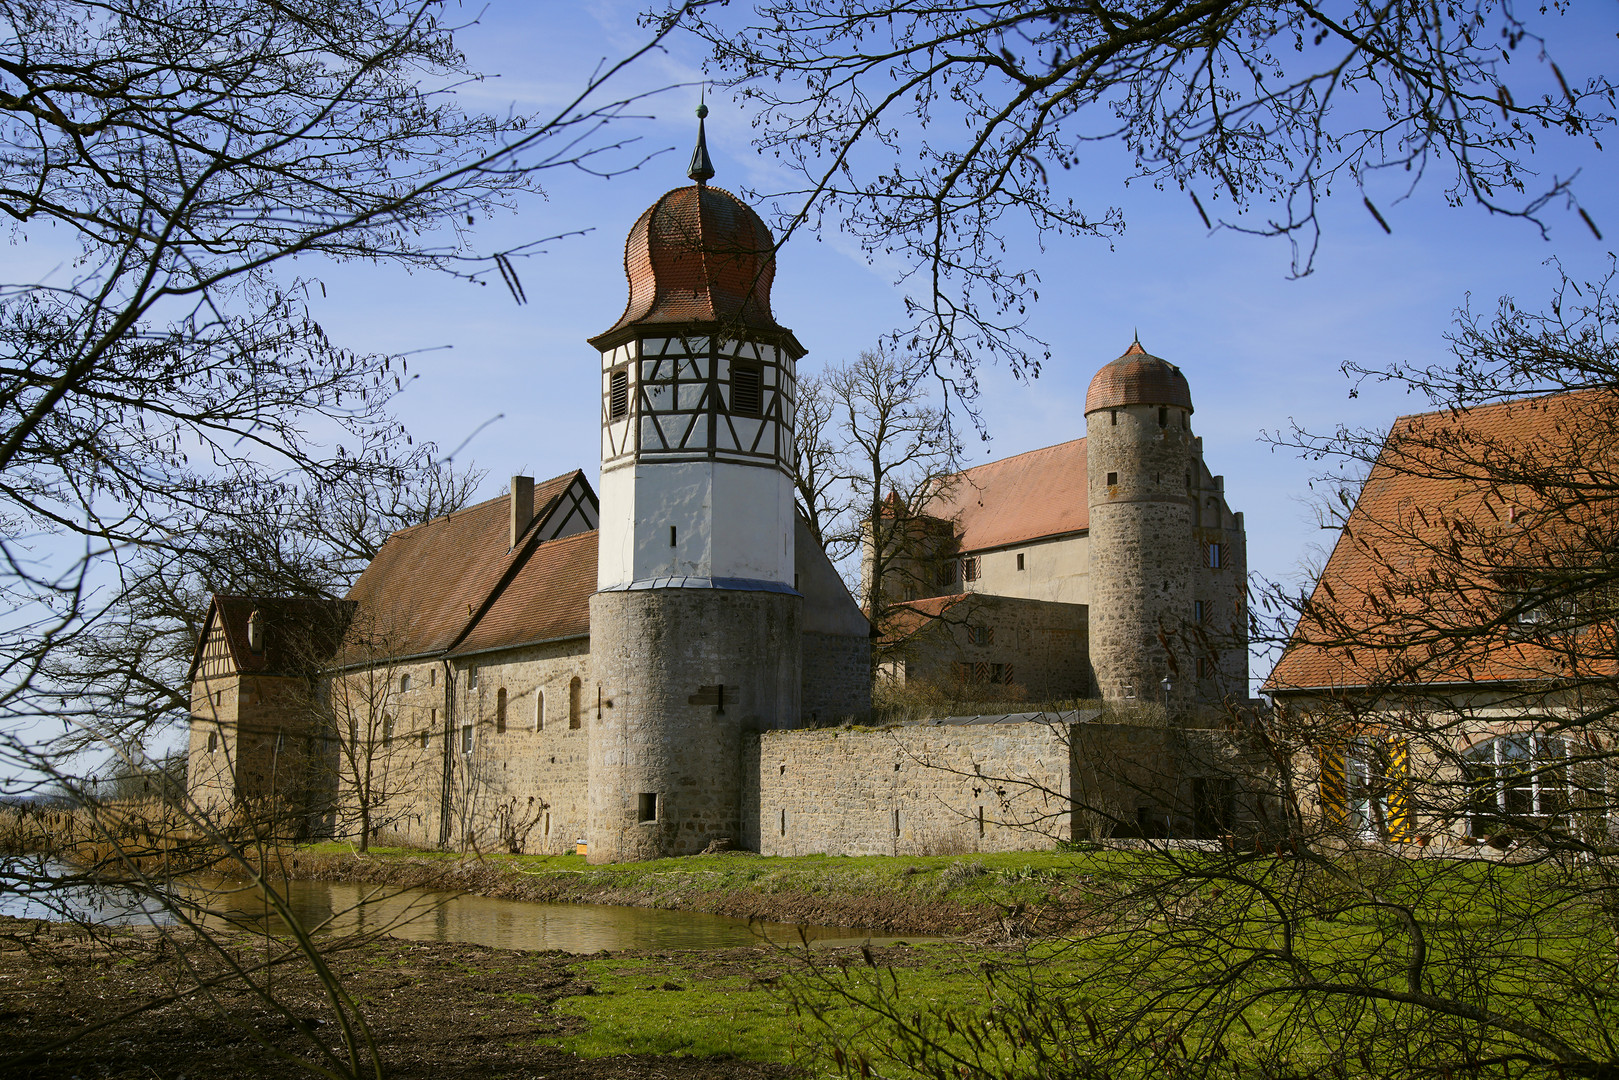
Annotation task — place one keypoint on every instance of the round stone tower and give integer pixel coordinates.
(694, 628)
(1138, 445)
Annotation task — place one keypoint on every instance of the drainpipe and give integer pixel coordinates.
(448, 770)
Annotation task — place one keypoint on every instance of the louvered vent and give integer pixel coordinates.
(618, 395)
(746, 399)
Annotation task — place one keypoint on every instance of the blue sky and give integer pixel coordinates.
(1259, 349)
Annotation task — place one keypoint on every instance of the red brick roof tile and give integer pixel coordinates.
(1424, 564)
(300, 633)
(1138, 378)
(697, 255)
(428, 583)
(548, 599)
(1027, 497)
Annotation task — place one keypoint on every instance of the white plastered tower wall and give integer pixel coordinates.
(677, 459)
(696, 625)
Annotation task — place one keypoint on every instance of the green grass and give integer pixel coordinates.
(1007, 878)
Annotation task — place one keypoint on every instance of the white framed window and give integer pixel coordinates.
(466, 738)
(1519, 779)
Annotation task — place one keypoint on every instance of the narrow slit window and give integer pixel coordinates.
(618, 394)
(671, 536)
(575, 689)
(747, 397)
(1163, 417)
(1020, 561)
(539, 711)
(466, 738)
(500, 711)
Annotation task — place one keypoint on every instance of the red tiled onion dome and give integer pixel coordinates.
(698, 255)
(1138, 378)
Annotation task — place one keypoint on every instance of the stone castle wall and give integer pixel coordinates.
(684, 674)
(836, 679)
(913, 790)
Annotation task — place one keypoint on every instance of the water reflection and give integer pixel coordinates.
(420, 915)
(416, 915)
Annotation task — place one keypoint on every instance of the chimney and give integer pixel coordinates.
(522, 504)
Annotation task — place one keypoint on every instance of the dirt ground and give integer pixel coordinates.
(436, 1011)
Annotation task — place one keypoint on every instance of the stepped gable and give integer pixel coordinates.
(1380, 614)
(1031, 496)
(1138, 378)
(697, 257)
(428, 583)
(549, 599)
(300, 633)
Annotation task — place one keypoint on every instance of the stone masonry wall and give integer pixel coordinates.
(836, 679)
(912, 790)
(1141, 550)
(1039, 647)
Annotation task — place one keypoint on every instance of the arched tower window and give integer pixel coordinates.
(500, 711)
(575, 692)
(539, 710)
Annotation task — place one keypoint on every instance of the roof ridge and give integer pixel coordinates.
(1452, 410)
(502, 497)
(1025, 453)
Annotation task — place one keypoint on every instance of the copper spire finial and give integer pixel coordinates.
(701, 169)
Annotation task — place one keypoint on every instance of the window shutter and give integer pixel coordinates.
(1397, 776)
(618, 405)
(1334, 792)
(745, 391)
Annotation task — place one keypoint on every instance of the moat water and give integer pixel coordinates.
(424, 915)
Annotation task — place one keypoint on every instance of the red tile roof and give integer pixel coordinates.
(1138, 378)
(697, 255)
(548, 599)
(910, 616)
(428, 585)
(1027, 497)
(1453, 516)
(300, 633)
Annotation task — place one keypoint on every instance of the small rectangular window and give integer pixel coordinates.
(784, 823)
(1216, 556)
(746, 390)
(472, 678)
(618, 394)
(1197, 612)
(946, 574)
(1020, 562)
(466, 738)
(648, 806)
(1113, 481)
(1114, 418)
(1163, 417)
(213, 742)
(969, 569)
(671, 536)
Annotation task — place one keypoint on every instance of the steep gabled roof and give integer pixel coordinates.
(300, 633)
(1462, 511)
(549, 598)
(430, 584)
(1031, 496)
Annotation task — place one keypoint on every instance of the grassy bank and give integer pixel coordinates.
(999, 894)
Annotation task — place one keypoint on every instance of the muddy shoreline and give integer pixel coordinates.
(888, 911)
(433, 1010)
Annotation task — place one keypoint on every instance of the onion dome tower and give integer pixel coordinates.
(1139, 451)
(695, 625)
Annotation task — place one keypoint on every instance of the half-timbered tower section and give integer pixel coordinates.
(696, 623)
